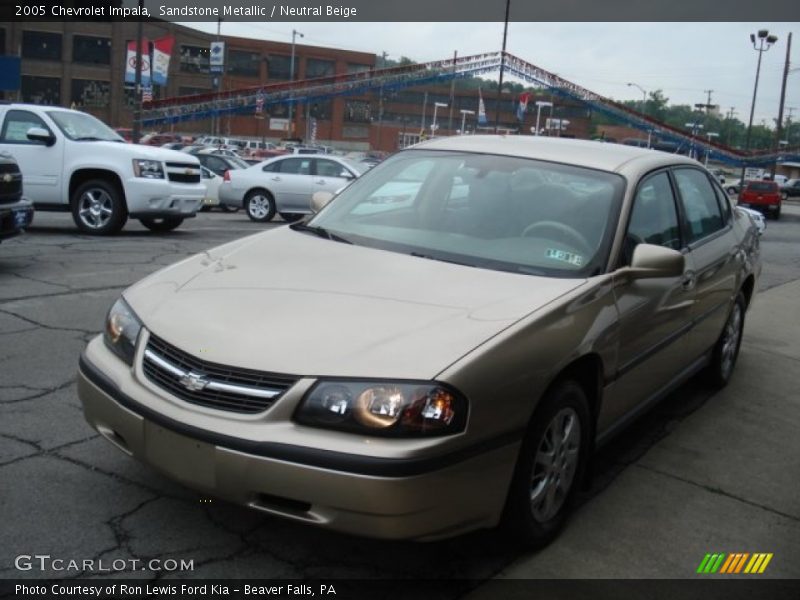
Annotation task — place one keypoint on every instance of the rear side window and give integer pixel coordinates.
(296, 166)
(703, 213)
(16, 126)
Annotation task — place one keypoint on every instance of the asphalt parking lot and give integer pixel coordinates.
(700, 473)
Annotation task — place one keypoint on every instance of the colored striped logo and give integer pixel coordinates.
(735, 563)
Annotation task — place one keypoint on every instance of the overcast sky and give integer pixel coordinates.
(682, 59)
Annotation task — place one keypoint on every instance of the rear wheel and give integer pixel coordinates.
(260, 206)
(229, 208)
(550, 467)
(161, 224)
(726, 350)
(98, 207)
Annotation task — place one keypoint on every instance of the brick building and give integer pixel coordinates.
(81, 64)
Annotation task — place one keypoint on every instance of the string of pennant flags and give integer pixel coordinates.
(256, 99)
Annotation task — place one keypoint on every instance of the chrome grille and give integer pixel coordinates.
(10, 183)
(210, 384)
(183, 172)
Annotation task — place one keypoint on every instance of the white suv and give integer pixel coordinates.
(72, 161)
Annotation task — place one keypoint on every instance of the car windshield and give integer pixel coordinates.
(481, 210)
(356, 167)
(83, 127)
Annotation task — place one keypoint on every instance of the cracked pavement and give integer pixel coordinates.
(66, 492)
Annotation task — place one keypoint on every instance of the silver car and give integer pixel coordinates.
(285, 184)
(442, 347)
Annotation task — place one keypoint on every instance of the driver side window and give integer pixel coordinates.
(654, 218)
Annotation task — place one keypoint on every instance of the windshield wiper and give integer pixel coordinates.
(91, 138)
(320, 232)
(431, 257)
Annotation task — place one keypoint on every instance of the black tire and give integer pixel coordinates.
(259, 206)
(521, 523)
(731, 190)
(161, 224)
(229, 208)
(98, 207)
(726, 350)
(777, 214)
(291, 217)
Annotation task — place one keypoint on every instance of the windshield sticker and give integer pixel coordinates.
(568, 257)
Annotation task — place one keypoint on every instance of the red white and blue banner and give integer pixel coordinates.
(481, 109)
(162, 52)
(130, 62)
(523, 105)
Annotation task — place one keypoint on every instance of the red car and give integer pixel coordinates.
(763, 196)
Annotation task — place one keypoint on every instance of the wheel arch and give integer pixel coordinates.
(586, 371)
(748, 286)
(81, 176)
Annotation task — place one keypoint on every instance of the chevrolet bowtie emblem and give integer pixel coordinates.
(7, 178)
(194, 382)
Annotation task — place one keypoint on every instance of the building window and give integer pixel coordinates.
(354, 68)
(91, 50)
(89, 93)
(279, 66)
(41, 90)
(41, 45)
(246, 64)
(357, 111)
(195, 59)
(321, 109)
(316, 67)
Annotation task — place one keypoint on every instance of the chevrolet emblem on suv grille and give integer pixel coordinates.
(7, 178)
(194, 381)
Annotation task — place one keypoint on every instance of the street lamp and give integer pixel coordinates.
(710, 135)
(539, 105)
(295, 33)
(695, 128)
(434, 126)
(464, 113)
(765, 41)
(644, 95)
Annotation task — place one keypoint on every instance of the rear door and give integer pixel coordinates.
(291, 184)
(715, 251)
(41, 165)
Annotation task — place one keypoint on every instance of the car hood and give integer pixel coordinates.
(144, 152)
(289, 302)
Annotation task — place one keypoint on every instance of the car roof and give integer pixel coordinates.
(585, 153)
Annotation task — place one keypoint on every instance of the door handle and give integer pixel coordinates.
(276, 178)
(320, 181)
(688, 280)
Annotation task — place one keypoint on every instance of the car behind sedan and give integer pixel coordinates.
(442, 347)
(285, 185)
(763, 196)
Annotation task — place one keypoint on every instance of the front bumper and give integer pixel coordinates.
(424, 498)
(163, 198)
(14, 218)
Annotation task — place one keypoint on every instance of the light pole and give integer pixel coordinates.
(710, 135)
(539, 105)
(644, 95)
(295, 33)
(464, 112)
(765, 41)
(695, 128)
(434, 126)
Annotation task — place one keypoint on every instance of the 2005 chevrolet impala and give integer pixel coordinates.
(442, 347)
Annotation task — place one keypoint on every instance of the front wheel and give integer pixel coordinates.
(550, 467)
(161, 224)
(726, 350)
(291, 217)
(229, 208)
(260, 206)
(98, 207)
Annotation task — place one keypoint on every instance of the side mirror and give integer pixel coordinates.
(650, 262)
(319, 200)
(39, 134)
(346, 174)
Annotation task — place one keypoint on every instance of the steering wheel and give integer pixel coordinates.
(561, 230)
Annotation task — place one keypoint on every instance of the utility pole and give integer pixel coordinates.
(137, 85)
(729, 127)
(452, 92)
(783, 101)
(502, 69)
(295, 33)
(384, 54)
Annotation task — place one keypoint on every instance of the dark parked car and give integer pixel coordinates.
(16, 212)
(790, 189)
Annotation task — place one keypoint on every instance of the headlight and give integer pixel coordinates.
(396, 409)
(122, 329)
(151, 169)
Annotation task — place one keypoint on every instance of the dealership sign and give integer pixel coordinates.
(217, 57)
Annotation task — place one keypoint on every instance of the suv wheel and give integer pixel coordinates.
(550, 466)
(161, 224)
(260, 206)
(98, 207)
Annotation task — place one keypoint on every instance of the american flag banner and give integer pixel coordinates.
(147, 93)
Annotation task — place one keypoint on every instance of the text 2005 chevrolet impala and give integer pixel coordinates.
(442, 347)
